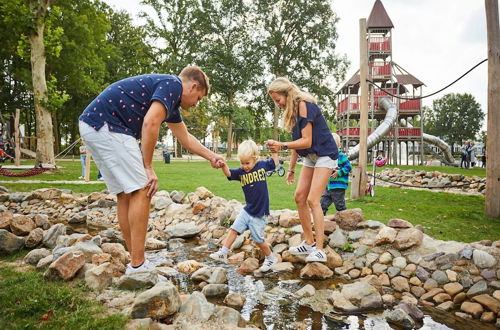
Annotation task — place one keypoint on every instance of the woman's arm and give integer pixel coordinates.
(305, 141)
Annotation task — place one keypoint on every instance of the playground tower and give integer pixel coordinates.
(390, 77)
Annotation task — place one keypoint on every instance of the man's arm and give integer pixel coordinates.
(193, 145)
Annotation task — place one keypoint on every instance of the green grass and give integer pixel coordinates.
(25, 297)
(444, 215)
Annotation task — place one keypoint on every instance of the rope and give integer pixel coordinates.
(69, 148)
(428, 187)
(422, 97)
(31, 172)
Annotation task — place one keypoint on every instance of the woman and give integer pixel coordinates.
(312, 140)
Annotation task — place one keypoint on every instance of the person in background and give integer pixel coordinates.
(337, 185)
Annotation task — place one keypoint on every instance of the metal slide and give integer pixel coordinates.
(386, 125)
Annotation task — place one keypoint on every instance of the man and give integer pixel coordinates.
(130, 109)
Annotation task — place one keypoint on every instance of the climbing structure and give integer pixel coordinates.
(390, 77)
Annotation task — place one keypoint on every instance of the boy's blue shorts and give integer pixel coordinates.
(256, 225)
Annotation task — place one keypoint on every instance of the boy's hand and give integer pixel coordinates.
(334, 175)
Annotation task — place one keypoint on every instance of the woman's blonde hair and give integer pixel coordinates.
(336, 138)
(248, 149)
(293, 95)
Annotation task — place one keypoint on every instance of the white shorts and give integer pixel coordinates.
(312, 160)
(117, 156)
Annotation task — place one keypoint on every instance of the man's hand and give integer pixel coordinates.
(152, 184)
(217, 162)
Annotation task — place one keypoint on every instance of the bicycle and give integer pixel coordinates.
(280, 169)
(378, 161)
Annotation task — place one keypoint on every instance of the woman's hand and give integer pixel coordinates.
(273, 145)
(152, 184)
(290, 178)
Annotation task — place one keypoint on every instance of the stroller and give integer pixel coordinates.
(378, 161)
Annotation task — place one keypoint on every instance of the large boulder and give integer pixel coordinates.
(5, 219)
(21, 225)
(183, 230)
(349, 219)
(197, 306)
(289, 218)
(157, 303)
(100, 277)
(34, 238)
(10, 243)
(65, 267)
(316, 271)
(407, 238)
(51, 235)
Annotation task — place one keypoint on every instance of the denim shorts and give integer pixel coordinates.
(312, 160)
(117, 156)
(256, 225)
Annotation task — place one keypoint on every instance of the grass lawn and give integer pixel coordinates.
(444, 215)
(27, 301)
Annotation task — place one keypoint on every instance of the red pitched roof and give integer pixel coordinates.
(378, 17)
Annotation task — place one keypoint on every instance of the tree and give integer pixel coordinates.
(298, 40)
(455, 117)
(230, 54)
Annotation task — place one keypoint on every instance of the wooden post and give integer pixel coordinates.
(492, 197)
(359, 189)
(87, 165)
(17, 144)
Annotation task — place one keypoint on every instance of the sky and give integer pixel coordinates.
(435, 40)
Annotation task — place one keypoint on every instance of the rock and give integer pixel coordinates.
(441, 297)
(422, 274)
(488, 317)
(155, 244)
(453, 288)
(218, 276)
(417, 291)
(306, 291)
(446, 306)
(228, 315)
(407, 238)
(412, 310)
(234, 299)
(162, 202)
(496, 295)
(483, 259)
(34, 238)
(158, 302)
(400, 284)
(34, 256)
(399, 317)
(430, 284)
(10, 243)
(283, 267)
(459, 298)
(45, 262)
(203, 193)
(65, 267)
(440, 277)
(388, 299)
(429, 295)
(385, 258)
(386, 235)
(213, 290)
(202, 274)
(399, 262)
(99, 277)
(356, 235)
(477, 289)
(177, 196)
(198, 307)
(489, 274)
(414, 258)
(117, 251)
(452, 276)
(248, 266)
(399, 223)
(349, 219)
(5, 219)
(50, 237)
(238, 242)
(21, 225)
(78, 218)
(135, 324)
(472, 308)
(466, 252)
(189, 266)
(46, 194)
(337, 239)
(183, 230)
(315, 270)
(138, 280)
(329, 227)
(488, 301)
(289, 218)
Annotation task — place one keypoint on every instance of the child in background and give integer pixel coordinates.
(252, 176)
(339, 180)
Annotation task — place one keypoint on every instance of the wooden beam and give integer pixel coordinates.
(359, 190)
(87, 166)
(17, 144)
(492, 197)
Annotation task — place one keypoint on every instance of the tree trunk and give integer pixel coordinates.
(178, 149)
(57, 133)
(45, 142)
(229, 138)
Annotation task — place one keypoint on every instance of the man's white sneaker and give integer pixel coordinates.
(316, 255)
(219, 256)
(302, 249)
(146, 266)
(268, 264)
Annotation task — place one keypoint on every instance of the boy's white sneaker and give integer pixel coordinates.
(268, 264)
(316, 255)
(146, 266)
(302, 249)
(219, 256)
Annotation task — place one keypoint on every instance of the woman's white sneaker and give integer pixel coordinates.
(316, 255)
(302, 249)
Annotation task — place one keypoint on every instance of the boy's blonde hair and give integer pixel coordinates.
(293, 95)
(195, 74)
(336, 138)
(248, 149)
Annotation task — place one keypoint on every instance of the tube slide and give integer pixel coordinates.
(386, 125)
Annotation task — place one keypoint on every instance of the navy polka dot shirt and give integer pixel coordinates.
(123, 104)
